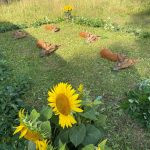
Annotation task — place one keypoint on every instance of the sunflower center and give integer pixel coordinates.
(32, 136)
(63, 105)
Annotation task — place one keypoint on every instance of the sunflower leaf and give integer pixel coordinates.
(89, 147)
(89, 114)
(101, 121)
(97, 101)
(93, 135)
(46, 129)
(63, 136)
(31, 146)
(102, 144)
(77, 134)
(46, 113)
(34, 115)
(62, 146)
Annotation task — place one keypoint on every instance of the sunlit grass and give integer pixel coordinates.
(25, 11)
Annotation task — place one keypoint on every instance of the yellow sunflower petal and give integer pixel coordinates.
(77, 109)
(77, 101)
(41, 145)
(18, 129)
(23, 132)
(67, 121)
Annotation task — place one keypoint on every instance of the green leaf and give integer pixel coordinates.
(97, 101)
(62, 146)
(101, 121)
(63, 136)
(77, 134)
(89, 114)
(107, 148)
(34, 115)
(46, 128)
(89, 147)
(102, 144)
(131, 100)
(93, 135)
(46, 113)
(31, 146)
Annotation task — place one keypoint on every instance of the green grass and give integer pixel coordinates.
(120, 11)
(78, 62)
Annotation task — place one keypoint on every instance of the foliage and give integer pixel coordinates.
(101, 146)
(88, 22)
(10, 102)
(144, 35)
(37, 131)
(85, 127)
(111, 26)
(46, 20)
(6, 26)
(85, 131)
(137, 103)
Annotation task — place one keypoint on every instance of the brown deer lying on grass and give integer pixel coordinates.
(90, 38)
(51, 28)
(46, 48)
(122, 60)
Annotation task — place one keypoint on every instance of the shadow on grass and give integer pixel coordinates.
(91, 70)
(142, 18)
(23, 56)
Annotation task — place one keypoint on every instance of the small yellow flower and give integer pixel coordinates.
(80, 88)
(30, 135)
(64, 100)
(68, 8)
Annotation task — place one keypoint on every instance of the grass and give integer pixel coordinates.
(122, 12)
(78, 62)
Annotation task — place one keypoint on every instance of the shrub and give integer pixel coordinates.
(6, 26)
(46, 20)
(88, 22)
(137, 103)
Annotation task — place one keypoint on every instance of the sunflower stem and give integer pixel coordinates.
(79, 119)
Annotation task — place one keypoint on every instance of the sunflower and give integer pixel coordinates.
(28, 134)
(68, 8)
(64, 100)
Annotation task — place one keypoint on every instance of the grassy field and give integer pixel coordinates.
(120, 11)
(78, 62)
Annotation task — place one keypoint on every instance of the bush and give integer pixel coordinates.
(6, 26)
(137, 103)
(88, 22)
